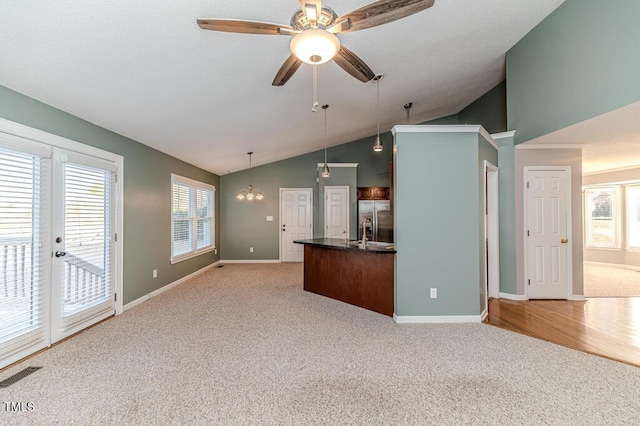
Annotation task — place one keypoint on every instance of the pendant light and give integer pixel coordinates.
(325, 169)
(250, 193)
(377, 145)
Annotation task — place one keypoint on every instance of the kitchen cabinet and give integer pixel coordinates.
(374, 193)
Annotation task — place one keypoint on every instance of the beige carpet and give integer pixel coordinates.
(606, 281)
(245, 345)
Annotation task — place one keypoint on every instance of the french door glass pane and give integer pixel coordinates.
(22, 264)
(87, 244)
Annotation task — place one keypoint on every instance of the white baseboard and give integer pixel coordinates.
(578, 298)
(252, 261)
(484, 314)
(613, 265)
(437, 319)
(510, 296)
(168, 287)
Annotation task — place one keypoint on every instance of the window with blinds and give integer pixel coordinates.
(633, 217)
(24, 266)
(192, 214)
(601, 219)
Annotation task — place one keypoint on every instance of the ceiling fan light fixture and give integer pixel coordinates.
(315, 46)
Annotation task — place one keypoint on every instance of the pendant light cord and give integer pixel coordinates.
(314, 105)
(378, 104)
(325, 107)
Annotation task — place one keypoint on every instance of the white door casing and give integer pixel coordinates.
(492, 235)
(296, 222)
(548, 232)
(336, 212)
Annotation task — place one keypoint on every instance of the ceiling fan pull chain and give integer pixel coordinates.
(314, 106)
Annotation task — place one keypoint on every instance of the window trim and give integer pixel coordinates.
(194, 185)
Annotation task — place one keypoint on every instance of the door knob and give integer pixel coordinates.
(60, 253)
(564, 241)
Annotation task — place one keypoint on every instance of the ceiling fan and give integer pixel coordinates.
(314, 28)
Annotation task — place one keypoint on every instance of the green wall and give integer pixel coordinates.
(490, 110)
(580, 62)
(147, 192)
(438, 234)
(507, 213)
(244, 225)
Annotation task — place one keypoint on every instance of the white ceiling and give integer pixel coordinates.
(144, 69)
(609, 141)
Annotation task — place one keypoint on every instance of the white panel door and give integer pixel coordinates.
(336, 212)
(296, 222)
(83, 246)
(548, 195)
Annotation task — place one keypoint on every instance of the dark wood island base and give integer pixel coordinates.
(360, 277)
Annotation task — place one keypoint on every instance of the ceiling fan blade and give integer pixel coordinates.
(245, 27)
(351, 63)
(383, 11)
(287, 70)
(311, 8)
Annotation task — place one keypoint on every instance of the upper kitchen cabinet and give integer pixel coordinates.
(373, 193)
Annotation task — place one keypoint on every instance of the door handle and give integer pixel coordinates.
(564, 241)
(60, 253)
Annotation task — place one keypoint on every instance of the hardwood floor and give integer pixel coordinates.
(608, 327)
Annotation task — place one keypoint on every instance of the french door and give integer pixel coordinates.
(57, 248)
(83, 255)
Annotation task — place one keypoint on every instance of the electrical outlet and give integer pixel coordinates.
(269, 218)
(155, 273)
(215, 251)
(433, 293)
(250, 249)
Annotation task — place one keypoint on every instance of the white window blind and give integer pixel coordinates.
(88, 244)
(24, 264)
(192, 214)
(602, 217)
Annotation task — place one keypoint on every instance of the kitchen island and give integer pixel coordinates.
(345, 271)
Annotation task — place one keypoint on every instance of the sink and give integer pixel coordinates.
(373, 244)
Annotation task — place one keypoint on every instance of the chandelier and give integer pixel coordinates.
(250, 193)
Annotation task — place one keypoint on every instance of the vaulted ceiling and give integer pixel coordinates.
(144, 69)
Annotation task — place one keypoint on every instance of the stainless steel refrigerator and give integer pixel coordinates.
(381, 226)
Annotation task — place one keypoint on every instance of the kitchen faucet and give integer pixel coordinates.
(364, 231)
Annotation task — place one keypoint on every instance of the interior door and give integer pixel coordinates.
(83, 242)
(336, 212)
(548, 195)
(296, 222)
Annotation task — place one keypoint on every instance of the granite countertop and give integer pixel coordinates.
(341, 244)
